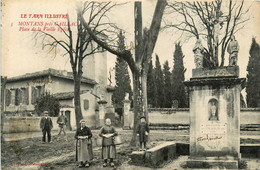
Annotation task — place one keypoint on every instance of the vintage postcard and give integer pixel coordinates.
(130, 84)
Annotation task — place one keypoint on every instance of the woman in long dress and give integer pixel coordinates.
(84, 152)
(108, 147)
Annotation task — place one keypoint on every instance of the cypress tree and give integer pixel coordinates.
(178, 87)
(151, 87)
(253, 78)
(122, 78)
(167, 85)
(159, 83)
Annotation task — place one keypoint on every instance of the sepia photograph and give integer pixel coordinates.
(129, 85)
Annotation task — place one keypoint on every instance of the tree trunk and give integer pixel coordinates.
(77, 104)
(144, 96)
(136, 76)
(137, 105)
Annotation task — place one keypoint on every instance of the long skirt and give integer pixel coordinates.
(109, 152)
(84, 151)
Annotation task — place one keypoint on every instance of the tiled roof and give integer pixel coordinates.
(67, 95)
(52, 72)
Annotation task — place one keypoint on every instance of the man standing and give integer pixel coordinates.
(46, 126)
(62, 121)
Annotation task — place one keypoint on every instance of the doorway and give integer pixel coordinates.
(67, 114)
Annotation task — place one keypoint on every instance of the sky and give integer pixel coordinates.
(21, 54)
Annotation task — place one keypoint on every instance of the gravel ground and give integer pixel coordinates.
(33, 151)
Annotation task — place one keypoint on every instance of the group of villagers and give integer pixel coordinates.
(84, 152)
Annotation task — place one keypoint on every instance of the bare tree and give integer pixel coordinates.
(144, 46)
(213, 21)
(77, 44)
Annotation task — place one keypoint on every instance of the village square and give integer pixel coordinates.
(130, 85)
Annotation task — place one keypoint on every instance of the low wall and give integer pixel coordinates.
(24, 124)
(181, 116)
(169, 116)
(156, 116)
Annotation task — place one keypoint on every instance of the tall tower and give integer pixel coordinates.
(95, 68)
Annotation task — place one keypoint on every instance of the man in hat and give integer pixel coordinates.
(62, 121)
(143, 131)
(46, 126)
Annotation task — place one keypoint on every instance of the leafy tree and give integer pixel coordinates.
(253, 78)
(121, 76)
(159, 82)
(167, 85)
(151, 87)
(47, 103)
(178, 88)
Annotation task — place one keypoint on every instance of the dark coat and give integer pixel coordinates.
(141, 129)
(62, 120)
(107, 130)
(84, 132)
(46, 123)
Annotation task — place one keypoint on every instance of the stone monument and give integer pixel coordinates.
(215, 117)
(127, 103)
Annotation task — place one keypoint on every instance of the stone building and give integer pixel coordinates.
(22, 91)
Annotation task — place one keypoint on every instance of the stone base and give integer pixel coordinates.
(138, 157)
(228, 164)
(126, 128)
(160, 154)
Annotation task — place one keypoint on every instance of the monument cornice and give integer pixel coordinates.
(217, 81)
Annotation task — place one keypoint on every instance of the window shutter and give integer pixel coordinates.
(17, 97)
(33, 94)
(26, 95)
(7, 97)
(20, 96)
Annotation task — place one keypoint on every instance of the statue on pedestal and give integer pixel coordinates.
(198, 54)
(232, 49)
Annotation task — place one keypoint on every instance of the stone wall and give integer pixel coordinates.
(181, 116)
(24, 124)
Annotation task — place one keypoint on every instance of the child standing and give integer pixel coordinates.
(143, 131)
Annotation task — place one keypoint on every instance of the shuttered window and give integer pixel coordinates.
(33, 95)
(37, 92)
(24, 96)
(17, 102)
(7, 97)
(26, 91)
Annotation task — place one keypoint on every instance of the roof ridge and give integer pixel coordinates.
(51, 71)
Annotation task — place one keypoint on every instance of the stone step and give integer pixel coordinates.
(155, 156)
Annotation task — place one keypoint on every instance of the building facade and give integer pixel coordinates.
(22, 91)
